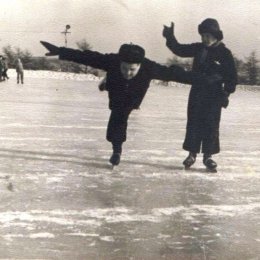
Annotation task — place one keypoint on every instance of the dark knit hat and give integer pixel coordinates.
(131, 53)
(211, 26)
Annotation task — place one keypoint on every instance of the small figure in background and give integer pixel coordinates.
(5, 68)
(19, 70)
(1, 67)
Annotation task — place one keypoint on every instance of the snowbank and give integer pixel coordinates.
(43, 74)
(55, 75)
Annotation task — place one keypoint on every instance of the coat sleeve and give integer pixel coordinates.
(182, 50)
(175, 73)
(229, 72)
(89, 58)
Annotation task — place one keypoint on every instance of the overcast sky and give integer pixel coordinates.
(106, 24)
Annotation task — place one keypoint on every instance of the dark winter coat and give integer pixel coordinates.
(126, 93)
(206, 101)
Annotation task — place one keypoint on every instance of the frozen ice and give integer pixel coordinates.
(67, 203)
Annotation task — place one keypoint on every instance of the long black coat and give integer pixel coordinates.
(127, 93)
(205, 101)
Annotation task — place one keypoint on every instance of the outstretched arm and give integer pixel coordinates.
(89, 58)
(182, 50)
(178, 74)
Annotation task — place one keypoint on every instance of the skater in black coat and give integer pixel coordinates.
(128, 77)
(5, 69)
(211, 56)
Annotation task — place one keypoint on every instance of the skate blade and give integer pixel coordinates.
(193, 170)
(187, 168)
(212, 170)
(113, 167)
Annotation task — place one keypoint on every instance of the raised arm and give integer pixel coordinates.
(182, 50)
(89, 58)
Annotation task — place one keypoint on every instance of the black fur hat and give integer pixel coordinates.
(131, 53)
(211, 26)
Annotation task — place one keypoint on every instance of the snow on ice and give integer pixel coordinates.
(67, 203)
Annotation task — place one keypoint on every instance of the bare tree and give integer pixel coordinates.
(184, 62)
(13, 53)
(252, 68)
(83, 45)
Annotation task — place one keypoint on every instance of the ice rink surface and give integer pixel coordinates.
(61, 200)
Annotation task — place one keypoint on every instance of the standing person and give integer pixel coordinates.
(205, 102)
(1, 68)
(128, 77)
(5, 68)
(19, 70)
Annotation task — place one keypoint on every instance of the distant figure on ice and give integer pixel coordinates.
(128, 77)
(19, 71)
(1, 68)
(205, 102)
(5, 68)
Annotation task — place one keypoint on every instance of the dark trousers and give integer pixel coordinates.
(117, 125)
(203, 128)
(4, 74)
(20, 76)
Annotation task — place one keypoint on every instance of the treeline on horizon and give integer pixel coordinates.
(248, 69)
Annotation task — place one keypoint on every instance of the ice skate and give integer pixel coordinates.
(210, 164)
(115, 159)
(189, 161)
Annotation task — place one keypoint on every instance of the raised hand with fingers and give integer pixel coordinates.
(53, 50)
(168, 31)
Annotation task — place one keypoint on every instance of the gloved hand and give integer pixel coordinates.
(102, 85)
(53, 50)
(225, 100)
(168, 31)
